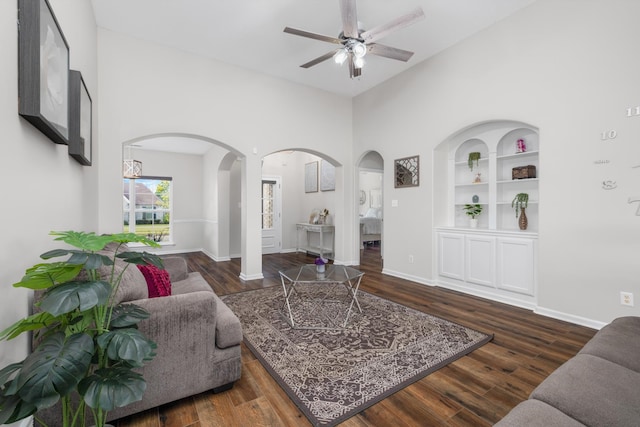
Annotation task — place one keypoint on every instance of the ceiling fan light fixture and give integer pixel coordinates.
(358, 62)
(359, 49)
(340, 56)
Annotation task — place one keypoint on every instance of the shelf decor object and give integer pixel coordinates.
(521, 146)
(520, 203)
(472, 211)
(79, 119)
(473, 157)
(523, 172)
(311, 177)
(43, 70)
(407, 172)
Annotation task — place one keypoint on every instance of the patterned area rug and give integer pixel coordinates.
(334, 374)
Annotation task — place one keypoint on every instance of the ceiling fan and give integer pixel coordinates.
(356, 43)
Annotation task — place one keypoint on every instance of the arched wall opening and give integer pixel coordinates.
(302, 194)
(206, 191)
(369, 184)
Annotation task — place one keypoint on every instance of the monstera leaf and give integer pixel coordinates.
(90, 260)
(43, 276)
(90, 242)
(125, 315)
(128, 345)
(141, 258)
(13, 408)
(75, 295)
(110, 388)
(32, 323)
(54, 369)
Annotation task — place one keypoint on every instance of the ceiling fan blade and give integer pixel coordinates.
(398, 23)
(389, 52)
(314, 36)
(319, 59)
(349, 18)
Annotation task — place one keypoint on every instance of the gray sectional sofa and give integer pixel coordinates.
(198, 339)
(600, 386)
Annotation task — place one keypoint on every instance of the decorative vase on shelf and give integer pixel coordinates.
(523, 222)
(473, 223)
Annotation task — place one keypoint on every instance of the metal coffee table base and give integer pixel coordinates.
(316, 296)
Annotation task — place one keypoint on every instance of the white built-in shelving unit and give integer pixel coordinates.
(496, 260)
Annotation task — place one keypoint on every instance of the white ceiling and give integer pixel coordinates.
(249, 33)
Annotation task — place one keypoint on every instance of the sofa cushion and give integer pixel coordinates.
(593, 391)
(618, 342)
(193, 283)
(132, 285)
(158, 283)
(177, 268)
(534, 413)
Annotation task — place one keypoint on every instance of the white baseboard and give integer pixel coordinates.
(215, 258)
(505, 299)
(410, 277)
(578, 320)
(245, 278)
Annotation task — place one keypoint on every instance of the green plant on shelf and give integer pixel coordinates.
(520, 201)
(472, 210)
(473, 157)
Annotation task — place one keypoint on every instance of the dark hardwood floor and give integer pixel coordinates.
(476, 390)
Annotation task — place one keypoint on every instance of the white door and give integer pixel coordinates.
(271, 215)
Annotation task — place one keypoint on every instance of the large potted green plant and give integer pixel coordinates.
(85, 345)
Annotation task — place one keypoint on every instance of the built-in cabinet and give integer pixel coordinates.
(495, 265)
(495, 259)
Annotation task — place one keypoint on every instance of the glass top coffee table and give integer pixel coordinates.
(315, 300)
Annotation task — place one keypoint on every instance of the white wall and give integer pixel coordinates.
(44, 189)
(569, 67)
(148, 89)
(217, 164)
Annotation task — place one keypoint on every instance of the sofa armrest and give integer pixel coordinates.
(184, 329)
(178, 311)
(177, 268)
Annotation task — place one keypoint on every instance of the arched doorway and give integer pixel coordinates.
(370, 202)
(203, 207)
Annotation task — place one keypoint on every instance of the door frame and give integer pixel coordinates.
(277, 215)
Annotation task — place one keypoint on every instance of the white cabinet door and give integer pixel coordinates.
(480, 260)
(516, 267)
(451, 255)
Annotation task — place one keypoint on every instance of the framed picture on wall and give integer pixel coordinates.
(311, 177)
(43, 70)
(79, 119)
(327, 176)
(407, 172)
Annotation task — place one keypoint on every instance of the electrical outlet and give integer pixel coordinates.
(410, 259)
(626, 298)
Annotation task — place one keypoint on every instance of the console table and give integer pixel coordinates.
(323, 245)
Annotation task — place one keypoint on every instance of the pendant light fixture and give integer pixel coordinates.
(131, 168)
